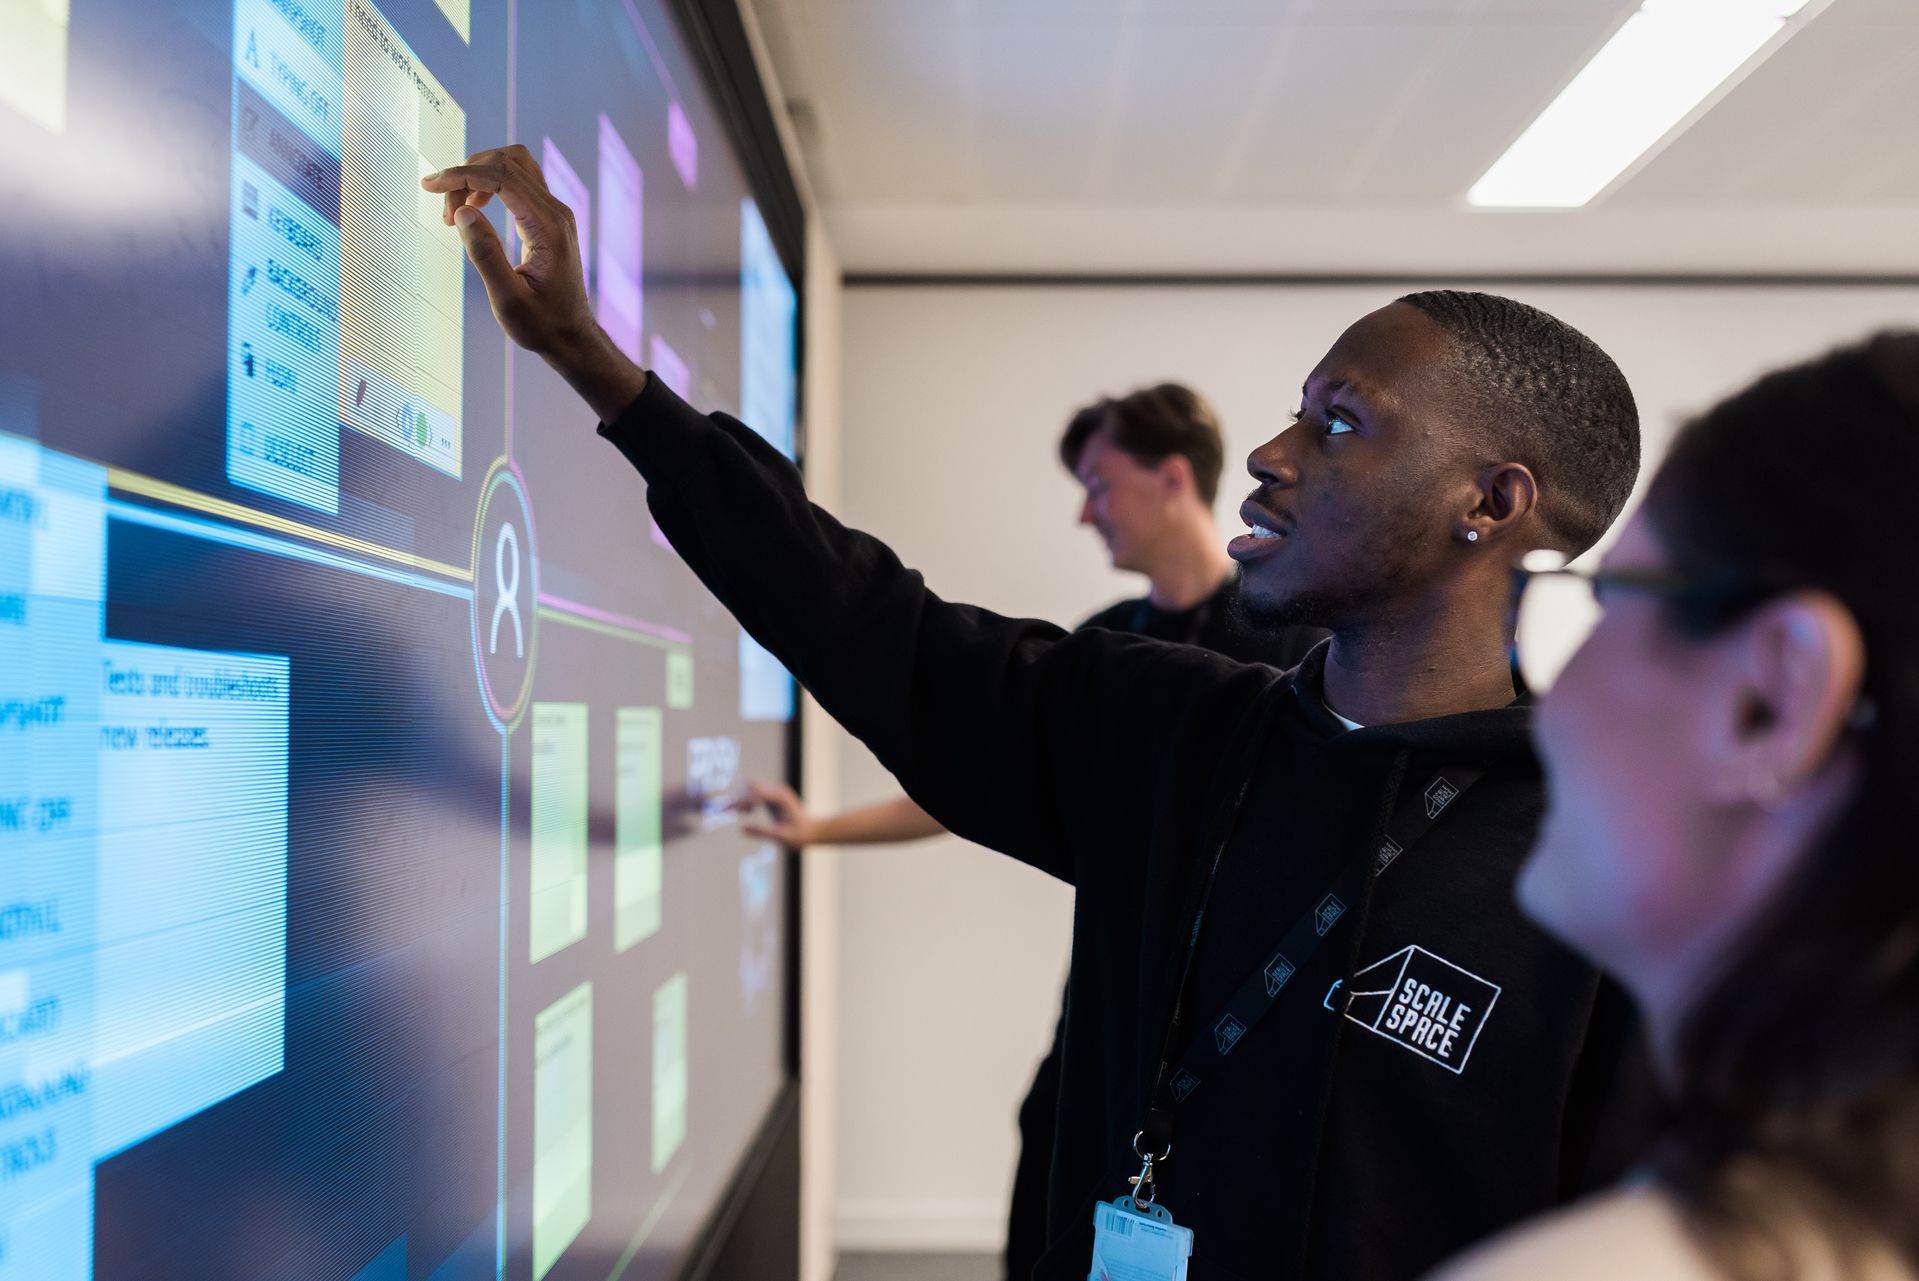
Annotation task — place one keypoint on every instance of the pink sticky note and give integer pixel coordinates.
(573, 193)
(622, 188)
(682, 145)
(672, 370)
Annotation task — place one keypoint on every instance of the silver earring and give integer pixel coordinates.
(1472, 535)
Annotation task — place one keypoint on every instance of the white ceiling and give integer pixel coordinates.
(1321, 135)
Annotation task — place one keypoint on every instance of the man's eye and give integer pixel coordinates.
(1336, 425)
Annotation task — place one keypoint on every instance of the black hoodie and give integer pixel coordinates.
(1448, 1088)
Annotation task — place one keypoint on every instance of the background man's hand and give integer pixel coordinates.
(541, 302)
(786, 821)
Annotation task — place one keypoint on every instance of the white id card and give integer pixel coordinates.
(1130, 1244)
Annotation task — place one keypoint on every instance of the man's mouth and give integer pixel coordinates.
(1266, 533)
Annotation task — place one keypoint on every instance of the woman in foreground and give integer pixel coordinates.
(1733, 831)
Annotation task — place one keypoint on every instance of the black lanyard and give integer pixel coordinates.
(1206, 1054)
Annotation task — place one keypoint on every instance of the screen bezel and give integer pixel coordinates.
(758, 1213)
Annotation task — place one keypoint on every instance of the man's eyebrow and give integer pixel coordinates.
(1331, 386)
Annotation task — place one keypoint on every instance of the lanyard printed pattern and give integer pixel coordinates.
(1261, 990)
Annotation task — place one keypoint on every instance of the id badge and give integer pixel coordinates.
(1131, 1244)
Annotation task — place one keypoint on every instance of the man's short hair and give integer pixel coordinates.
(1152, 425)
(1547, 396)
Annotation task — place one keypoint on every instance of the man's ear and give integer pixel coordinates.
(1801, 662)
(1507, 495)
(1176, 476)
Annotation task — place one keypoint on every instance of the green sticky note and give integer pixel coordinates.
(559, 828)
(33, 60)
(562, 1125)
(460, 14)
(679, 679)
(669, 1070)
(637, 863)
(402, 278)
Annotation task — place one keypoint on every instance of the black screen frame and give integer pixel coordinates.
(754, 1228)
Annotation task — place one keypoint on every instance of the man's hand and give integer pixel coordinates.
(541, 303)
(889, 822)
(786, 821)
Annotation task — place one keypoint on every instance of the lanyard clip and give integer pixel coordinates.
(1144, 1189)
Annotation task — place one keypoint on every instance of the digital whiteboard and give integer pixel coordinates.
(369, 907)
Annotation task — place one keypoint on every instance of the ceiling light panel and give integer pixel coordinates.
(1667, 60)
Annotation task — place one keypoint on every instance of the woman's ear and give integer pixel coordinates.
(1803, 662)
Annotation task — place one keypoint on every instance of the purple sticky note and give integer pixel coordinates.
(621, 189)
(672, 370)
(573, 193)
(683, 145)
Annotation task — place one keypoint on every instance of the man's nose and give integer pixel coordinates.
(1086, 513)
(1270, 464)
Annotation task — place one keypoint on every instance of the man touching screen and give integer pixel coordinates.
(1304, 1011)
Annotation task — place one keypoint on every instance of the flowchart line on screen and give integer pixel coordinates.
(586, 623)
(128, 482)
(249, 540)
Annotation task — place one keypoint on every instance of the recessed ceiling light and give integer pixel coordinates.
(1668, 58)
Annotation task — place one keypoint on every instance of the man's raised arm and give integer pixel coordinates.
(975, 713)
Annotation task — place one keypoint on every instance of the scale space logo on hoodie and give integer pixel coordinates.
(1423, 1003)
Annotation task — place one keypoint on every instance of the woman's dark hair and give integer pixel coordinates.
(1153, 424)
(1797, 1074)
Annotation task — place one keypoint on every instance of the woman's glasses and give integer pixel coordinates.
(1556, 608)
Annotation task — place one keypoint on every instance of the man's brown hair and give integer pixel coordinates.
(1152, 425)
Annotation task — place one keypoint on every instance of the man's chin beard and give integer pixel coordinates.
(1301, 609)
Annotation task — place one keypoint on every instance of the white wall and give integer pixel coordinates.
(821, 748)
(950, 956)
